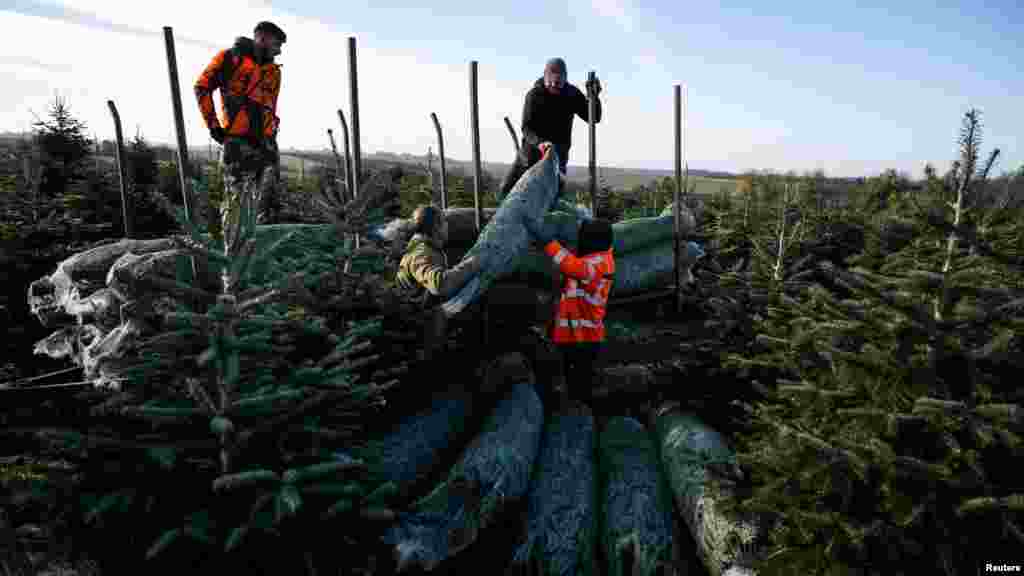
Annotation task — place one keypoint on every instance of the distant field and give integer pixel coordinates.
(705, 186)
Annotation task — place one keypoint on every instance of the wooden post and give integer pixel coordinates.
(444, 172)
(591, 111)
(475, 131)
(512, 131)
(676, 232)
(122, 170)
(184, 176)
(348, 165)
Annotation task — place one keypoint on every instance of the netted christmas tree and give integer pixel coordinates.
(888, 427)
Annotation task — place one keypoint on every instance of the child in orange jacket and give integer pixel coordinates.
(577, 329)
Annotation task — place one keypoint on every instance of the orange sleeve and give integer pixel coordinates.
(209, 81)
(570, 265)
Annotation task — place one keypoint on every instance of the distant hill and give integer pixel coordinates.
(616, 178)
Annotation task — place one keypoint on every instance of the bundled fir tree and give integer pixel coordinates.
(890, 429)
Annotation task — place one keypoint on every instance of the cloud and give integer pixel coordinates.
(118, 53)
(617, 10)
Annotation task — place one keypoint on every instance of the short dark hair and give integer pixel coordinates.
(272, 29)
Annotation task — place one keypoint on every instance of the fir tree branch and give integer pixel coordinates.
(1012, 503)
(175, 288)
(808, 388)
(1014, 530)
(925, 405)
(188, 244)
(200, 394)
(344, 353)
(915, 467)
(821, 446)
(917, 316)
(970, 237)
(1007, 413)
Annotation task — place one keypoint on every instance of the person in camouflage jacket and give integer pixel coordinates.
(249, 83)
(423, 270)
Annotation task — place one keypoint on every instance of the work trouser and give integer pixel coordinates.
(527, 156)
(250, 186)
(579, 369)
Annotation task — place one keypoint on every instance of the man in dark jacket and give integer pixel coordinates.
(547, 117)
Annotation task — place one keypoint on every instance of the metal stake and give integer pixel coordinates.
(184, 175)
(122, 169)
(348, 165)
(475, 125)
(357, 164)
(676, 217)
(591, 111)
(337, 164)
(512, 131)
(444, 171)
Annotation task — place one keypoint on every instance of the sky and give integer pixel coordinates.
(851, 88)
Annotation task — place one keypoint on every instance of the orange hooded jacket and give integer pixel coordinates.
(248, 97)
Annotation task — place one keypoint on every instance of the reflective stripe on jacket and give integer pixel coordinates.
(248, 97)
(581, 309)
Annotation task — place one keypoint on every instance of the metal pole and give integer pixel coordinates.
(678, 193)
(337, 163)
(591, 111)
(430, 173)
(184, 175)
(686, 163)
(348, 165)
(512, 131)
(475, 124)
(122, 169)
(357, 163)
(353, 86)
(444, 171)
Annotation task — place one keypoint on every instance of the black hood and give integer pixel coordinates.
(247, 47)
(595, 236)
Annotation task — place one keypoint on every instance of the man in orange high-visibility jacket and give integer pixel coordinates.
(249, 83)
(577, 329)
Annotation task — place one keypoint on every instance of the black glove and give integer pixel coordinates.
(536, 233)
(594, 87)
(218, 134)
(271, 152)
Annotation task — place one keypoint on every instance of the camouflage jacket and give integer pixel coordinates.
(423, 271)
